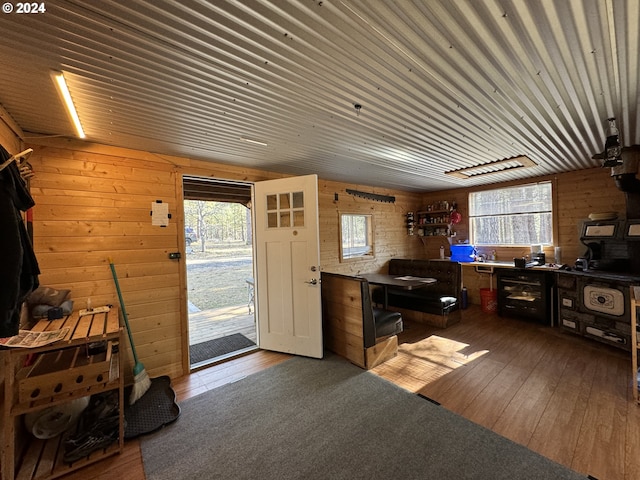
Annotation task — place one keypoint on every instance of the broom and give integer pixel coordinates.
(141, 380)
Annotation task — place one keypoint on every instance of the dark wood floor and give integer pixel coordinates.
(563, 396)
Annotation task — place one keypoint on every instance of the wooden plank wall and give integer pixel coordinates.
(342, 317)
(8, 138)
(92, 206)
(389, 221)
(577, 194)
(93, 202)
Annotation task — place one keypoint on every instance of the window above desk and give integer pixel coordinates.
(512, 216)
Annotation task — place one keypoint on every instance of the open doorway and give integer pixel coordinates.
(219, 263)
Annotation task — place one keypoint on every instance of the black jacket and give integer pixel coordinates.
(18, 265)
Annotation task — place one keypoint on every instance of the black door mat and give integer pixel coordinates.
(155, 409)
(218, 347)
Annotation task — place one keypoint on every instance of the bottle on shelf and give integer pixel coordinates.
(410, 223)
(434, 220)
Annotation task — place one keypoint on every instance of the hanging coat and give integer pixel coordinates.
(18, 265)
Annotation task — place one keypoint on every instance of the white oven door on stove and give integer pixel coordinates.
(603, 300)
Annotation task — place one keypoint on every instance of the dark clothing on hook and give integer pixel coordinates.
(18, 264)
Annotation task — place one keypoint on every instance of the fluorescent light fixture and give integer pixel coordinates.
(499, 166)
(250, 140)
(68, 102)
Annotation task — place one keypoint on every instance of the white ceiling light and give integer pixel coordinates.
(68, 102)
(256, 142)
(498, 166)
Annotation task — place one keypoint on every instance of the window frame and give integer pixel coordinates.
(370, 253)
(552, 209)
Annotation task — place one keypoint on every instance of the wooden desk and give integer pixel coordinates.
(405, 282)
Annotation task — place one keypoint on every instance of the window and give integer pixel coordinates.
(356, 236)
(285, 210)
(512, 216)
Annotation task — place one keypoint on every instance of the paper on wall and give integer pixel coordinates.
(159, 214)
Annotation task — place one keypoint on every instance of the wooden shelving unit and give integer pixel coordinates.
(435, 221)
(42, 384)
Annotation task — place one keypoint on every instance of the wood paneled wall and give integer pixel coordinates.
(8, 138)
(389, 221)
(93, 202)
(577, 194)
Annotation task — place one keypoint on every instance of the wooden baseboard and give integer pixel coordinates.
(381, 352)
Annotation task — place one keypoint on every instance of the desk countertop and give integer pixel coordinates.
(497, 264)
(406, 282)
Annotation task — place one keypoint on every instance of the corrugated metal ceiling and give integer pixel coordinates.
(443, 84)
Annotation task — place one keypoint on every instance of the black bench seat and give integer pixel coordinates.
(437, 304)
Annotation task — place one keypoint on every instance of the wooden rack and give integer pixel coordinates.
(61, 372)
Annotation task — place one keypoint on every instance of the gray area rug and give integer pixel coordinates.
(328, 419)
(218, 347)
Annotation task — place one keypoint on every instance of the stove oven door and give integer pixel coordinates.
(604, 313)
(600, 299)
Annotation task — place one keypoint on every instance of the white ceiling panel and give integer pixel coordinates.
(443, 84)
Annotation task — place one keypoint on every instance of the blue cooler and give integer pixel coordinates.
(463, 253)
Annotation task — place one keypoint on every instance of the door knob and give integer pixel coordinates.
(313, 281)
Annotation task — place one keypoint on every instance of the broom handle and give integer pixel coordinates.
(124, 310)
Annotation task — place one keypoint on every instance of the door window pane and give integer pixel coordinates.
(298, 200)
(272, 220)
(298, 218)
(285, 210)
(284, 201)
(285, 219)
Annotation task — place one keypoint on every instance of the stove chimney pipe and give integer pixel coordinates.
(626, 180)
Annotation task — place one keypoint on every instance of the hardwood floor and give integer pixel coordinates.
(563, 396)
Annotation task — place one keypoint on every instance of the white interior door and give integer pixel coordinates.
(287, 288)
